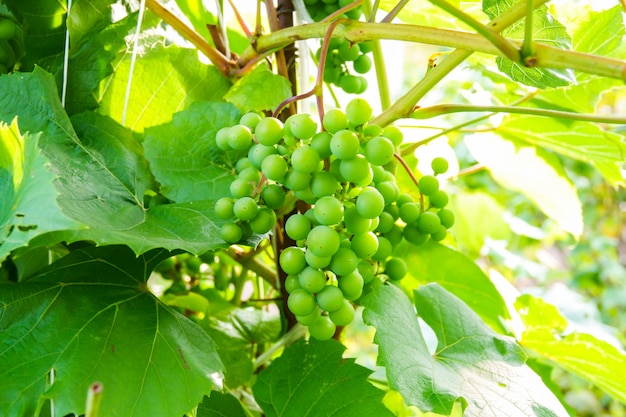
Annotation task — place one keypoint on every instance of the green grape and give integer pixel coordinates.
(439, 165)
(245, 208)
(385, 249)
(301, 125)
(362, 64)
(370, 203)
(362, 85)
(394, 134)
(297, 180)
(343, 315)
(372, 130)
(446, 217)
(332, 72)
(351, 285)
(242, 164)
(297, 226)
(355, 223)
(7, 29)
(440, 234)
(394, 235)
(224, 208)
(309, 214)
(240, 188)
(306, 195)
(328, 210)
(393, 210)
(251, 120)
(263, 221)
(428, 222)
(323, 241)
(231, 233)
(305, 159)
(358, 111)
(323, 184)
(379, 150)
(439, 199)
(410, 212)
(317, 261)
(322, 329)
(273, 196)
(351, 84)
(428, 185)
(344, 144)
(330, 298)
(292, 283)
(348, 51)
(258, 153)
(366, 47)
(246, 231)
(312, 279)
(355, 169)
(335, 170)
(344, 261)
(395, 268)
(301, 302)
(367, 270)
(292, 260)
(269, 131)
(385, 222)
(321, 143)
(414, 235)
(335, 120)
(250, 174)
(365, 180)
(403, 199)
(365, 245)
(310, 319)
(389, 190)
(222, 139)
(274, 167)
(239, 137)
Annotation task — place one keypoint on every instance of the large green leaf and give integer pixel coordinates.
(184, 156)
(433, 262)
(471, 363)
(537, 174)
(88, 318)
(546, 30)
(166, 79)
(312, 379)
(259, 90)
(582, 354)
(583, 141)
(28, 206)
(88, 17)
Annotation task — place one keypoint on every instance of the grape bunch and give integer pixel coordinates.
(345, 63)
(11, 44)
(354, 213)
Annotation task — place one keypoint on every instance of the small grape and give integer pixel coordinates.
(350, 84)
(370, 203)
(413, 235)
(355, 223)
(385, 249)
(224, 208)
(323, 241)
(343, 315)
(245, 208)
(240, 188)
(439, 165)
(440, 234)
(264, 221)
(258, 153)
(301, 125)
(273, 196)
(312, 279)
(394, 235)
(344, 144)
(292, 260)
(250, 174)
(351, 285)
(358, 111)
(385, 222)
(231, 233)
(446, 217)
(428, 185)
(324, 184)
(428, 222)
(242, 164)
(335, 120)
(274, 167)
(344, 261)
(222, 139)
(323, 328)
(239, 137)
(297, 180)
(292, 283)
(328, 210)
(410, 212)
(362, 64)
(269, 131)
(379, 150)
(348, 51)
(251, 120)
(321, 143)
(394, 134)
(310, 319)
(330, 298)
(389, 190)
(297, 226)
(355, 169)
(305, 159)
(395, 268)
(439, 199)
(301, 302)
(367, 271)
(364, 245)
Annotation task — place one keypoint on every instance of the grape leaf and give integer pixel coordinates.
(28, 206)
(149, 359)
(483, 370)
(166, 79)
(582, 354)
(88, 17)
(312, 379)
(547, 30)
(583, 141)
(221, 405)
(184, 156)
(433, 262)
(259, 90)
(536, 174)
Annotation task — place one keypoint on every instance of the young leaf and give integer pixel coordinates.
(184, 156)
(259, 90)
(433, 262)
(28, 206)
(582, 354)
(471, 364)
(149, 359)
(536, 174)
(312, 379)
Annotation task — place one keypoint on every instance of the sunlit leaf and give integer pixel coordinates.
(471, 364)
(107, 329)
(259, 90)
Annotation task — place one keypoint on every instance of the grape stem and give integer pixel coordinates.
(413, 178)
(527, 45)
(379, 65)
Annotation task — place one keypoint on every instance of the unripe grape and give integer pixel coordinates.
(324, 184)
(428, 185)
(312, 279)
(297, 180)
(410, 212)
(343, 315)
(292, 260)
(385, 249)
(355, 223)
(323, 328)
(273, 196)
(323, 241)
(321, 143)
(335, 120)
(240, 137)
(389, 190)
(385, 222)
(439, 199)
(245, 208)
(358, 111)
(344, 261)
(355, 169)
(328, 210)
(403, 199)
(394, 235)
(224, 208)
(440, 234)
(297, 226)
(330, 298)
(250, 174)
(428, 222)
(344, 144)
(231, 233)
(370, 203)
(364, 245)
(269, 131)
(317, 261)
(222, 139)
(301, 302)
(306, 195)
(258, 153)
(439, 165)
(350, 84)
(242, 164)
(274, 167)
(301, 125)
(394, 134)
(240, 188)
(305, 159)
(395, 268)
(372, 130)
(413, 235)
(379, 150)
(446, 217)
(263, 221)
(310, 319)
(348, 51)
(362, 64)
(351, 285)
(251, 120)
(367, 271)
(292, 283)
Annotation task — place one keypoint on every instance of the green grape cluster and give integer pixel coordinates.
(357, 215)
(345, 64)
(11, 44)
(319, 9)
